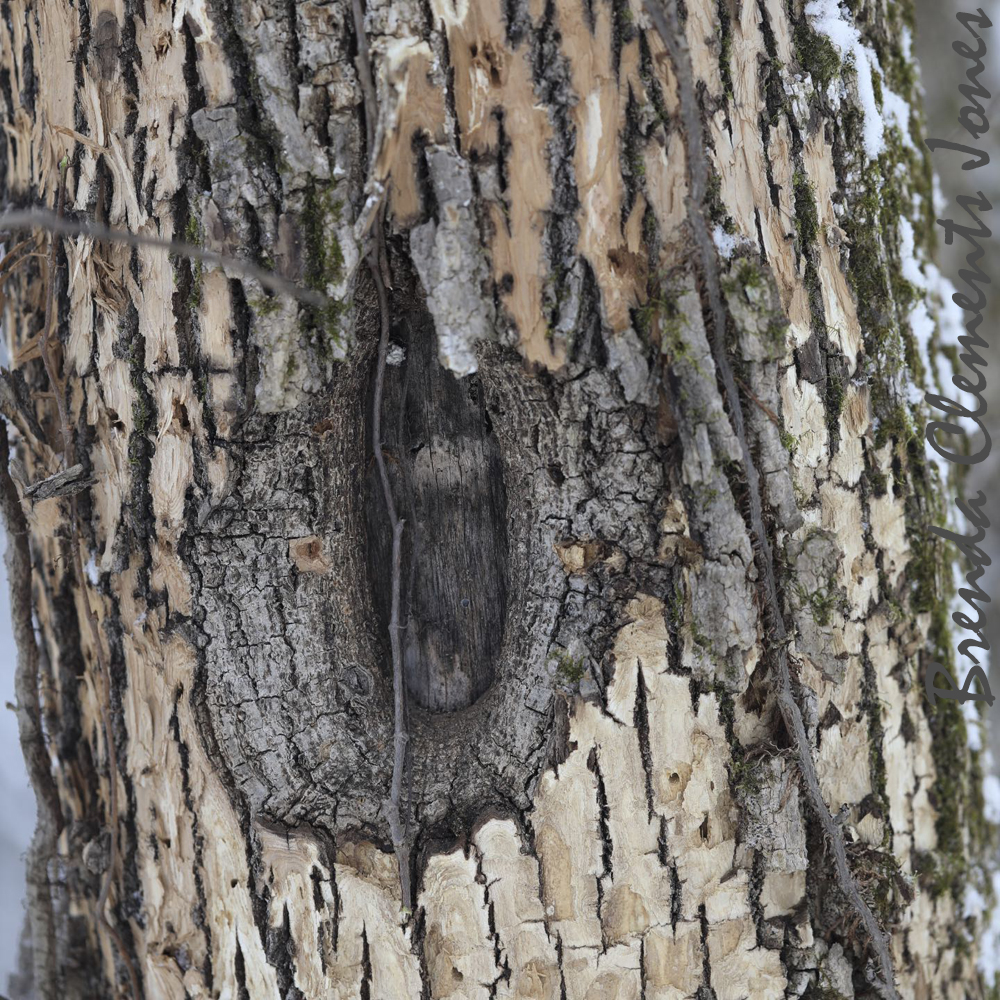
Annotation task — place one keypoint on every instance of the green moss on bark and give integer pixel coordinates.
(816, 55)
(324, 265)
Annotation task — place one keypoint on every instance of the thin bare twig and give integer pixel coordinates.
(41, 218)
(378, 264)
(762, 406)
(398, 822)
(667, 23)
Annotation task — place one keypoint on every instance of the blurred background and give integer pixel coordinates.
(17, 814)
(942, 71)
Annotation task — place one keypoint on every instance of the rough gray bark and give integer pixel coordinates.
(649, 430)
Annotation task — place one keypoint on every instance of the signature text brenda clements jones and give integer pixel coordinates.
(971, 380)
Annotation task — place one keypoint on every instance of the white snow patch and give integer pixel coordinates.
(991, 794)
(973, 727)
(951, 321)
(940, 202)
(906, 38)
(922, 325)
(91, 569)
(976, 905)
(908, 255)
(975, 902)
(897, 111)
(724, 242)
(920, 320)
(829, 20)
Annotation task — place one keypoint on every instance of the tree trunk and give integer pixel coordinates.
(626, 299)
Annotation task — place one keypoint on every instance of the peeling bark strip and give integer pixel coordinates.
(623, 324)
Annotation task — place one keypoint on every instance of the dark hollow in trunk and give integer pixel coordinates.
(447, 479)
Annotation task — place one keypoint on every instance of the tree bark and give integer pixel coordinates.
(622, 302)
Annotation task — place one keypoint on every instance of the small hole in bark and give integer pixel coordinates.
(181, 415)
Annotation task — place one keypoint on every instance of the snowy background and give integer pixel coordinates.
(17, 814)
(943, 70)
